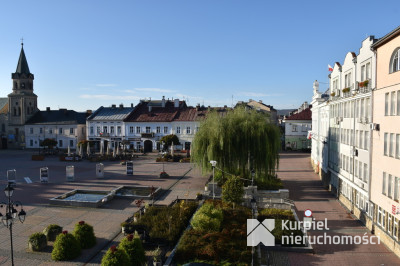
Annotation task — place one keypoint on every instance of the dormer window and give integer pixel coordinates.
(394, 61)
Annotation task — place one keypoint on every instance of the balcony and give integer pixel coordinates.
(364, 86)
(148, 135)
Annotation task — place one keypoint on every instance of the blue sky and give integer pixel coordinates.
(85, 54)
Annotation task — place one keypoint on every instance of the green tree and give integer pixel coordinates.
(239, 141)
(168, 139)
(233, 191)
(115, 257)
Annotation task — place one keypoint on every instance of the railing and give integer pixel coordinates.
(365, 86)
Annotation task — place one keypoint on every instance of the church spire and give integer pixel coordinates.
(22, 67)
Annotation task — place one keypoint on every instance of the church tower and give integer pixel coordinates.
(22, 102)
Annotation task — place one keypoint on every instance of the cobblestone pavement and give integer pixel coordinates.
(184, 182)
(308, 193)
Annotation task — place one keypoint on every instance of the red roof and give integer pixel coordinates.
(168, 113)
(303, 115)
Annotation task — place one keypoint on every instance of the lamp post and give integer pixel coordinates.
(213, 164)
(11, 212)
(253, 173)
(253, 203)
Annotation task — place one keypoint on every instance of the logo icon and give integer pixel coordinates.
(260, 232)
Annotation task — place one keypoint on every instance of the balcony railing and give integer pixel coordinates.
(364, 86)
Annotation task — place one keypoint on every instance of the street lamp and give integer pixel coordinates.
(11, 212)
(213, 164)
(253, 173)
(253, 203)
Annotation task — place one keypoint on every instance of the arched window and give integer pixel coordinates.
(15, 111)
(394, 61)
(19, 111)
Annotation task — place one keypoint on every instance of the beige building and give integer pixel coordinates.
(385, 181)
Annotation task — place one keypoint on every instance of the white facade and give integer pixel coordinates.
(320, 130)
(348, 148)
(65, 135)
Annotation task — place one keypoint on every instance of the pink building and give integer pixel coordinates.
(385, 181)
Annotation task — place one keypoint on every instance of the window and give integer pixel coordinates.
(137, 130)
(362, 72)
(60, 143)
(393, 103)
(105, 129)
(41, 130)
(361, 144)
(131, 130)
(394, 61)
(398, 146)
(197, 129)
(362, 107)
(294, 128)
(398, 102)
(389, 224)
(98, 130)
(379, 216)
(391, 145)
(368, 107)
(50, 131)
(158, 129)
(360, 170)
(396, 188)
(385, 145)
(31, 130)
(365, 173)
(112, 129)
(366, 135)
(356, 139)
(178, 130)
(91, 131)
(118, 130)
(83, 130)
(368, 71)
(356, 168)
(31, 142)
(148, 130)
(71, 131)
(71, 143)
(188, 130)
(165, 130)
(395, 227)
(389, 182)
(384, 184)
(386, 103)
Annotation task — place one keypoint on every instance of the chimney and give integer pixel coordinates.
(131, 105)
(121, 106)
(47, 108)
(113, 106)
(163, 102)
(176, 103)
(89, 112)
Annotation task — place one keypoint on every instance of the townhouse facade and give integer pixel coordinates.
(297, 127)
(153, 119)
(105, 127)
(386, 140)
(363, 137)
(66, 127)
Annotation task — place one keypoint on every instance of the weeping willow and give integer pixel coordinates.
(239, 141)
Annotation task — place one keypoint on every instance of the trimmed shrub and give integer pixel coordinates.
(66, 247)
(275, 214)
(269, 183)
(84, 233)
(207, 218)
(115, 257)
(52, 231)
(233, 191)
(134, 248)
(37, 242)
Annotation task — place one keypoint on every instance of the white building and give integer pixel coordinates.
(106, 125)
(320, 133)
(348, 145)
(297, 127)
(67, 127)
(151, 120)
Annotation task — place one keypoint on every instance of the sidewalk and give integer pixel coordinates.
(307, 192)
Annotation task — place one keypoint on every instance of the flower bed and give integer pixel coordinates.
(226, 245)
(165, 224)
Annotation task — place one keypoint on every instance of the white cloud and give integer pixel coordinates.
(106, 85)
(258, 94)
(108, 97)
(154, 90)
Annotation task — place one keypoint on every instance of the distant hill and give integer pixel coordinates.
(283, 112)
